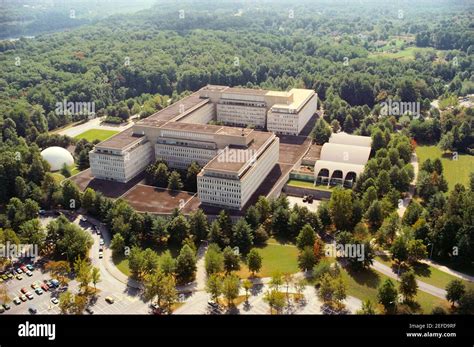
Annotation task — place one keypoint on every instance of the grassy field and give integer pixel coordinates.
(96, 134)
(364, 284)
(404, 54)
(455, 171)
(428, 274)
(310, 185)
(275, 257)
(122, 264)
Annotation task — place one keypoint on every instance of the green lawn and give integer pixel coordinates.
(96, 134)
(407, 53)
(275, 257)
(310, 185)
(428, 274)
(364, 284)
(122, 264)
(455, 171)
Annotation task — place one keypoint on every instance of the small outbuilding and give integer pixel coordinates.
(57, 157)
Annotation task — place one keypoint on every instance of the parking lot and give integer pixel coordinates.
(39, 301)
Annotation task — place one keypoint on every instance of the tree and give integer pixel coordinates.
(275, 299)
(466, 302)
(65, 302)
(242, 236)
(306, 237)
(416, 250)
(254, 261)
(446, 142)
(117, 244)
(65, 171)
(280, 219)
(454, 291)
(214, 260)
(306, 259)
(399, 250)
(214, 286)
(231, 260)
(191, 177)
(408, 285)
(230, 288)
(321, 132)
(167, 263)
(95, 276)
(340, 208)
(161, 175)
(349, 124)
(174, 181)
(387, 296)
(186, 265)
(199, 227)
(215, 234)
(247, 285)
(336, 127)
(326, 288)
(367, 308)
(179, 229)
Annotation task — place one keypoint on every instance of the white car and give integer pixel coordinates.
(55, 301)
(101, 254)
(101, 242)
(16, 300)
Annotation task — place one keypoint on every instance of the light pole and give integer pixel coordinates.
(432, 247)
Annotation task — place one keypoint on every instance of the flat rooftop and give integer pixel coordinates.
(173, 110)
(121, 140)
(300, 96)
(145, 198)
(237, 156)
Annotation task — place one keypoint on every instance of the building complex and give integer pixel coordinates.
(235, 157)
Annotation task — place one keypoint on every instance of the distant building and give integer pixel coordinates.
(342, 159)
(235, 161)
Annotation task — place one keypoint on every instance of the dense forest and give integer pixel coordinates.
(172, 49)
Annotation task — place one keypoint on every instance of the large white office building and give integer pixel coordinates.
(235, 160)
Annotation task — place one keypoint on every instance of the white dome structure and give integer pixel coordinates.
(57, 157)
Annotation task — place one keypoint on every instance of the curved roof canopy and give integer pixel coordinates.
(348, 139)
(345, 153)
(57, 157)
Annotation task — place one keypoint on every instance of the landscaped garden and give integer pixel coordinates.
(96, 134)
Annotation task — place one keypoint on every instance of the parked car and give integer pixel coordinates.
(23, 268)
(19, 277)
(83, 219)
(39, 291)
(24, 290)
(101, 242)
(16, 300)
(44, 287)
(29, 296)
(55, 301)
(30, 267)
(2, 309)
(89, 310)
(110, 299)
(35, 285)
(29, 273)
(23, 298)
(19, 271)
(6, 306)
(9, 275)
(32, 310)
(55, 283)
(101, 254)
(5, 277)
